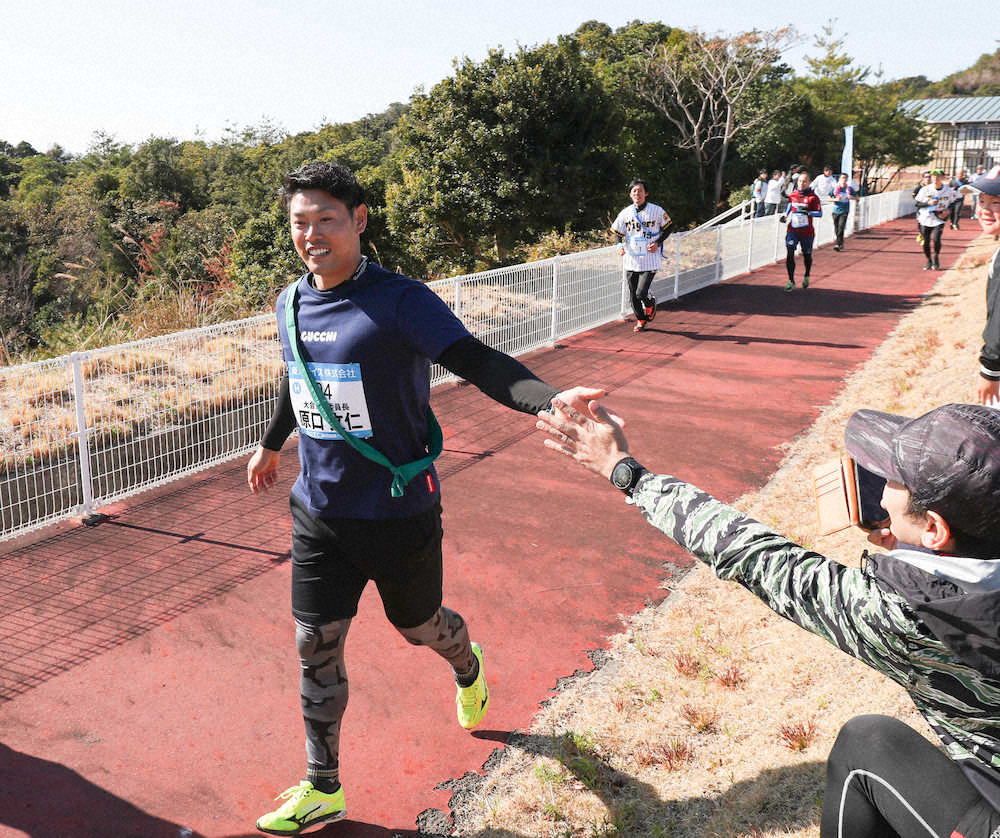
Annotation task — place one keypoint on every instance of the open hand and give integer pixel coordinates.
(262, 470)
(580, 399)
(595, 440)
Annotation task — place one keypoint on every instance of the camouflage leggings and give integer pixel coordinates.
(324, 686)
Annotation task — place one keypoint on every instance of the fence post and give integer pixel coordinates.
(750, 248)
(777, 235)
(677, 267)
(718, 253)
(626, 306)
(458, 298)
(82, 434)
(554, 330)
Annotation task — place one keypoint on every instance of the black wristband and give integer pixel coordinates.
(625, 475)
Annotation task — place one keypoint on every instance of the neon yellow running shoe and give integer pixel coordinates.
(304, 807)
(471, 702)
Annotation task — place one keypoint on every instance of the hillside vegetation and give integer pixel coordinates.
(521, 155)
(981, 79)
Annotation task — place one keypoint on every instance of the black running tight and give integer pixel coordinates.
(884, 780)
(932, 233)
(638, 286)
(807, 260)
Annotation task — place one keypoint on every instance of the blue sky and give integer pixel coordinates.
(187, 68)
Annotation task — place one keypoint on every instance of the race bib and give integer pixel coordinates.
(637, 243)
(343, 388)
(799, 219)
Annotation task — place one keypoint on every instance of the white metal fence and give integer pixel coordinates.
(85, 430)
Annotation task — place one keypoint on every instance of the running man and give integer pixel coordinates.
(641, 228)
(843, 194)
(358, 342)
(824, 184)
(803, 207)
(933, 201)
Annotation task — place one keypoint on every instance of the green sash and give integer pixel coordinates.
(401, 475)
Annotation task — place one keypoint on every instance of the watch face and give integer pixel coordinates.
(622, 475)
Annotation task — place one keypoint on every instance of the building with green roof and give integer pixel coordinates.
(968, 130)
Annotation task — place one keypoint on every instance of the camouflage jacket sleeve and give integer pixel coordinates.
(839, 603)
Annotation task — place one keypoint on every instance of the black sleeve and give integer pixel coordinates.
(282, 420)
(666, 231)
(499, 376)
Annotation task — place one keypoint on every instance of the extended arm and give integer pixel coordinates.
(838, 603)
(508, 381)
(502, 378)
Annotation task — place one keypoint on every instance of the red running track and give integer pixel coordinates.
(148, 681)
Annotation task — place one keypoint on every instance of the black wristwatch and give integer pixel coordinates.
(626, 474)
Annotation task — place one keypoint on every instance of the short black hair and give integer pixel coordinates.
(965, 544)
(804, 171)
(636, 182)
(336, 180)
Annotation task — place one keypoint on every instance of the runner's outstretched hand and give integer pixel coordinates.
(262, 470)
(597, 444)
(580, 399)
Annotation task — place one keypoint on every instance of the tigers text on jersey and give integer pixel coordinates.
(640, 227)
(942, 198)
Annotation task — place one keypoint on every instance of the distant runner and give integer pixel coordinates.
(358, 342)
(933, 202)
(641, 228)
(843, 194)
(803, 207)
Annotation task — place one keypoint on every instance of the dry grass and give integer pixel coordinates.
(703, 723)
(130, 390)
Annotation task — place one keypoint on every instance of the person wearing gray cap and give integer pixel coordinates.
(988, 216)
(925, 613)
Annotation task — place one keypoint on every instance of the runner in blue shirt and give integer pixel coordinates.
(358, 342)
(843, 194)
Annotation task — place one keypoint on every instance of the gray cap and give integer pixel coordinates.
(948, 459)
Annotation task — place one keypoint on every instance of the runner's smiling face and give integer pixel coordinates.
(326, 235)
(638, 194)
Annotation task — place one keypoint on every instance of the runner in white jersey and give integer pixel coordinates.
(932, 203)
(641, 228)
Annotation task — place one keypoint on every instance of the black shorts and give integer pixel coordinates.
(334, 558)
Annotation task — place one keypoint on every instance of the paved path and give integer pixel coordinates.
(148, 684)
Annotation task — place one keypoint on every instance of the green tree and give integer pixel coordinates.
(501, 152)
(841, 93)
(645, 145)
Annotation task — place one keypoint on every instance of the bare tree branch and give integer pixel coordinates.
(700, 84)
